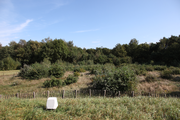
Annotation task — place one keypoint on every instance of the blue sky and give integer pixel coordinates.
(89, 23)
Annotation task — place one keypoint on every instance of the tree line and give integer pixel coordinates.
(15, 55)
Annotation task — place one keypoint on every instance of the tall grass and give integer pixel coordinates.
(124, 108)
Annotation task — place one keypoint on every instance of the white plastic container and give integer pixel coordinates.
(52, 103)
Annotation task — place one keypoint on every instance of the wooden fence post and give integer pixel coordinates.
(149, 94)
(75, 93)
(89, 92)
(119, 93)
(104, 93)
(47, 94)
(17, 95)
(132, 93)
(63, 95)
(34, 95)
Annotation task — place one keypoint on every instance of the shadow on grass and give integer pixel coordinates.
(176, 79)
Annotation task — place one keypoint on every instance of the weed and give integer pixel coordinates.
(166, 74)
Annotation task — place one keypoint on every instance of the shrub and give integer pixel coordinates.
(149, 68)
(53, 83)
(151, 78)
(159, 67)
(174, 70)
(122, 79)
(76, 74)
(35, 71)
(166, 74)
(9, 64)
(79, 69)
(56, 71)
(70, 79)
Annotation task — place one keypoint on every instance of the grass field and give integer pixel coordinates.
(136, 108)
(125, 108)
(9, 72)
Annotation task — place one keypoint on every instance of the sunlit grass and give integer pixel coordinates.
(9, 72)
(137, 108)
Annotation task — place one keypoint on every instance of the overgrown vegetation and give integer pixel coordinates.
(9, 64)
(70, 79)
(123, 108)
(167, 74)
(121, 79)
(53, 83)
(31, 51)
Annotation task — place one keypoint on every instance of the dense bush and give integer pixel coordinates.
(138, 69)
(35, 71)
(122, 79)
(174, 70)
(53, 83)
(9, 64)
(166, 74)
(159, 67)
(149, 67)
(70, 79)
(56, 71)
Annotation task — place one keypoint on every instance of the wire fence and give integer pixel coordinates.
(88, 93)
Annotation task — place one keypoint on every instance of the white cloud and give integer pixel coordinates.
(81, 31)
(7, 30)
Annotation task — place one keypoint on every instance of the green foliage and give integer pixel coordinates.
(121, 79)
(9, 64)
(76, 74)
(35, 71)
(79, 69)
(56, 70)
(53, 83)
(159, 67)
(149, 68)
(125, 108)
(174, 70)
(167, 74)
(70, 79)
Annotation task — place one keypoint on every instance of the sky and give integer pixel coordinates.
(89, 23)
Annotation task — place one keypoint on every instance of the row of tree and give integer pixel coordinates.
(166, 51)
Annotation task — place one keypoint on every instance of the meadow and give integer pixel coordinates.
(124, 108)
(149, 79)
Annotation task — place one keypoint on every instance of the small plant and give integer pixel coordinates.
(70, 79)
(166, 74)
(175, 70)
(76, 74)
(53, 83)
(78, 69)
(149, 68)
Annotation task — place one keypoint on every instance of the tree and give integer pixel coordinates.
(55, 50)
(119, 51)
(133, 44)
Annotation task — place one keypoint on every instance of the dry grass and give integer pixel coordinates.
(162, 85)
(26, 86)
(84, 81)
(9, 72)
